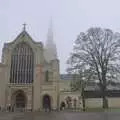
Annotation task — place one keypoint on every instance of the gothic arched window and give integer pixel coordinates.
(22, 63)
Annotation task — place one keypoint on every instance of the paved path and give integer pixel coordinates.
(60, 116)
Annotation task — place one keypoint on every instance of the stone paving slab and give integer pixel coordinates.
(60, 116)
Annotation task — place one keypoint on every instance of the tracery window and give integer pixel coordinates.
(22, 61)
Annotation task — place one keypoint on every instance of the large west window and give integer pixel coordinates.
(22, 63)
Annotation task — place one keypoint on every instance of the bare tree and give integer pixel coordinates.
(79, 82)
(97, 53)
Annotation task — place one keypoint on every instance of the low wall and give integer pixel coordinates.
(97, 102)
(93, 102)
(114, 102)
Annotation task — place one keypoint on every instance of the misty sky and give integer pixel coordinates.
(70, 17)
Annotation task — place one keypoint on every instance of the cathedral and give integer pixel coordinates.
(29, 73)
(30, 78)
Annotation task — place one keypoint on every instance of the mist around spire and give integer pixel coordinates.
(50, 47)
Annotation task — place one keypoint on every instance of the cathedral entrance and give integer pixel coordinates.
(19, 100)
(46, 102)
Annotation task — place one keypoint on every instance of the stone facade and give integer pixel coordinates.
(46, 82)
(35, 91)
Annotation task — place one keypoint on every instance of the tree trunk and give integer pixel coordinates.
(104, 97)
(105, 102)
(83, 99)
(103, 89)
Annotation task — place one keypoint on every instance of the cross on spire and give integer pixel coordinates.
(24, 26)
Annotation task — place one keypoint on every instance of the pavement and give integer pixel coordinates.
(60, 116)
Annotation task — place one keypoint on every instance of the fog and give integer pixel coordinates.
(70, 17)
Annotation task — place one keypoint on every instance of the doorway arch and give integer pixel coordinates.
(19, 99)
(46, 101)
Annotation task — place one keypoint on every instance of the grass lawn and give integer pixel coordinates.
(113, 110)
(103, 110)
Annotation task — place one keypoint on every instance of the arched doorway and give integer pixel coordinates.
(19, 99)
(46, 102)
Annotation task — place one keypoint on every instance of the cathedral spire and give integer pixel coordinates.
(51, 51)
(50, 32)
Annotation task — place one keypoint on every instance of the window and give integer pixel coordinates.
(22, 61)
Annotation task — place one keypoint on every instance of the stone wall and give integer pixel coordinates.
(114, 102)
(3, 84)
(93, 102)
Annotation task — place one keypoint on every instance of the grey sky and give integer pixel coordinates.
(70, 17)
